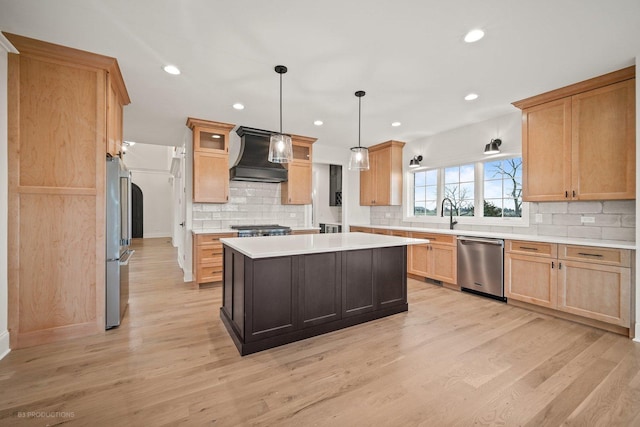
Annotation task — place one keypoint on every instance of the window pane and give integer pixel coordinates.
(432, 193)
(419, 209)
(466, 208)
(503, 188)
(466, 191)
(493, 189)
(493, 207)
(432, 177)
(430, 208)
(466, 173)
(491, 170)
(419, 194)
(452, 175)
(420, 179)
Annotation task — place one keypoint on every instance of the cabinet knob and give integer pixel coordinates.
(574, 193)
(566, 194)
(552, 264)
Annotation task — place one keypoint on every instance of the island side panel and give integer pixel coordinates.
(271, 297)
(358, 288)
(320, 298)
(391, 275)
(238, 273)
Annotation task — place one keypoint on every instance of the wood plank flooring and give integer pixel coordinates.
(453, 360)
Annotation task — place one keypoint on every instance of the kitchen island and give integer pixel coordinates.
(281, 289)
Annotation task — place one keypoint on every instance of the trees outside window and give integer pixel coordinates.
(503, 188)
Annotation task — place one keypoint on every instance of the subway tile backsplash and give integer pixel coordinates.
(249, 203)
(613, 220)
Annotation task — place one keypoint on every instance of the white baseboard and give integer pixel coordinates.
(637, 337)
(154, 235)
(4, 344)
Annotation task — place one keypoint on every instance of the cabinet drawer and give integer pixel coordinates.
(444, 239)
(209, 254)
(532, 248)
(203, 239)
(399, 233)
(610, 256)
(355, 229)
(209, 273)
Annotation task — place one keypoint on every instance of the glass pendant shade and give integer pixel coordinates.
(359, 158)
(280, 148)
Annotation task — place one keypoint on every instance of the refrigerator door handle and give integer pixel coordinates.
(124, 260)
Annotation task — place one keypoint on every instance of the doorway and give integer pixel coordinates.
(137, 220)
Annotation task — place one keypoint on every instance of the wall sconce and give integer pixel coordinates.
(415, 162)
(493, 146)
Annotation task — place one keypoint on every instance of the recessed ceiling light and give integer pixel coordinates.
(171, 69)
(238, 106)
(474, 35)
(471, 97)
(396, 124)
(318, 123)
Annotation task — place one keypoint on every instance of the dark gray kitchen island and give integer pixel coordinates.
(281, 289)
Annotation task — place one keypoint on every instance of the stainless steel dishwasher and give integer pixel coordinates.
(480, 266)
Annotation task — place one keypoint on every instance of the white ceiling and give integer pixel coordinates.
(408, 55)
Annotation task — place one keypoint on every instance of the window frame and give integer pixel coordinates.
(478, 218)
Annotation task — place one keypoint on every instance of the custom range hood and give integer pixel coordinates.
(253, 163)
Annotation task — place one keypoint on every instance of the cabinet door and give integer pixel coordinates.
(546, 151)
(595, 291)
(210, 178)
(419, 257)
(444, 263)
(531, 279)
(297, 189)
(390, 277)
(603, 142)
(368, 183)
(382, 171)
(358, 291)
(320, 298)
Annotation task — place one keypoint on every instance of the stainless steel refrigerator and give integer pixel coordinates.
(118, 239)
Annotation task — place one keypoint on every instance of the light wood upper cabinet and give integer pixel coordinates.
(578, 142)
(210, 160)
(381, 185)
(64, 113)
(298, 187)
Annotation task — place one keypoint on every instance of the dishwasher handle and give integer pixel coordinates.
(464, 240)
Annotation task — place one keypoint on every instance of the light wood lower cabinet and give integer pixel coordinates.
(531, 279)
(590, 282)
(207, 257)
(436, 260)
(294, 232)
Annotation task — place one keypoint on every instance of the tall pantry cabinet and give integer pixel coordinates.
(65, 114)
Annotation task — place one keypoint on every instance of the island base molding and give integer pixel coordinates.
(267, 343)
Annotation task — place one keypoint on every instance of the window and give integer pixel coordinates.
(459, 188)
(503, 188)
(425, 191)
(483, 192)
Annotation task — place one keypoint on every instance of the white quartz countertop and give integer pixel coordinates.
(616, 244)
(230, 230)
(273, 246)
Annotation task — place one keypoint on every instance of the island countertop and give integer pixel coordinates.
(274, 246)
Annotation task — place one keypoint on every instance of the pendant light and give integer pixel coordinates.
(280, 149)
(359, 155)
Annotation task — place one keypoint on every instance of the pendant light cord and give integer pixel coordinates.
(280, 103)
(359, 118)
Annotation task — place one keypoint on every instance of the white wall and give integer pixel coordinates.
(5, 47)
(149, 165)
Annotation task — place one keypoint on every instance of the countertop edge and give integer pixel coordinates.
(615, 244)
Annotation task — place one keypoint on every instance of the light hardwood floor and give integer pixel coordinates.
(453, 360)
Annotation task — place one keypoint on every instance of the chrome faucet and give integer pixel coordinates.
(451, 221)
